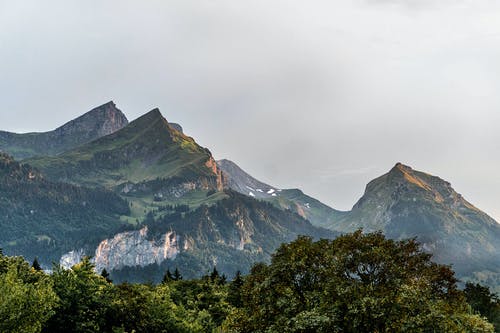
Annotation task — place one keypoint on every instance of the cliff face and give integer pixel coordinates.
(132, 249)
(101, 121)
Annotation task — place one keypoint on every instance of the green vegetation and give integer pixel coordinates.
(46, 219)
(235, 232)
(356, 283)
(144, 151)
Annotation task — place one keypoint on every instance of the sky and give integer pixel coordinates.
(323, 95)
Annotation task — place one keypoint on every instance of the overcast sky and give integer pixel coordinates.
(321, 95)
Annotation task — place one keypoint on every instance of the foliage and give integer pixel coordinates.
(46, 219)
(355, 283)
(27, 300)
(482, 300)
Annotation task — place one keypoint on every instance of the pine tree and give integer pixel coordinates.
(215, 275)
(177, 275)
(36, 265)
(105, 274)
(234, 293)
(167, 277)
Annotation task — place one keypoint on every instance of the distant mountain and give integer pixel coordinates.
(231, 234)
(294, 199)
(407, 203)
(46, 219)
(98, 122)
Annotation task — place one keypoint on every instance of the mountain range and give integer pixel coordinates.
(141, 197)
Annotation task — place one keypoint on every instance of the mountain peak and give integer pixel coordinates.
(100, 121)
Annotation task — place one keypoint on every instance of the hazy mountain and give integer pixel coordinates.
(98, 122)
(46, 219)
(407, 203)
(294, 199)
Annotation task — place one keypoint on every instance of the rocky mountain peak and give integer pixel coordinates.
(100, 121)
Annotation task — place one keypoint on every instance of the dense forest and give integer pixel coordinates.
(46, 218)
(355, 283)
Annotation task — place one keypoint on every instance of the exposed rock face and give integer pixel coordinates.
(132, 249)
(101, 121)
(71, 258)
(135, 249)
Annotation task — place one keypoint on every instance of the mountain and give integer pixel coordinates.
(98, 122)
(231, 234)
(407, 203)
(182, 213)
(148, 162)
(46, 219)
(294, 199)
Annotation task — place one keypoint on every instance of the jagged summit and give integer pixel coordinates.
(98, 122)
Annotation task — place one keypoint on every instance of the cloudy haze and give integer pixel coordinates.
(321, 95)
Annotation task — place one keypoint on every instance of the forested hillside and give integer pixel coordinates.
(46, 218)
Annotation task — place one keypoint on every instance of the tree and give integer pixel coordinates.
(36, 265)
(167, 277)
(235, 288)
(177, 275)
(105, 275)
(27, 300)
(84, 299)
(486, 303)
(355, 283)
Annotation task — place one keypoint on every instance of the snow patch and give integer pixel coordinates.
(251, 194)
(271, 191)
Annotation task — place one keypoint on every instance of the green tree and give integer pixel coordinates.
(84, 299)
(27, 300)
(486, 303)
(36, 265)
(355, 283)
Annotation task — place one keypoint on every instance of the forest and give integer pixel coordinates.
(358, 282)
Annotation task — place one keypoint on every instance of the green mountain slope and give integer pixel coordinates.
(46, 219)
(231, 234)
(294, 199)
(98, 122)
(407, 203)
(148, 162)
